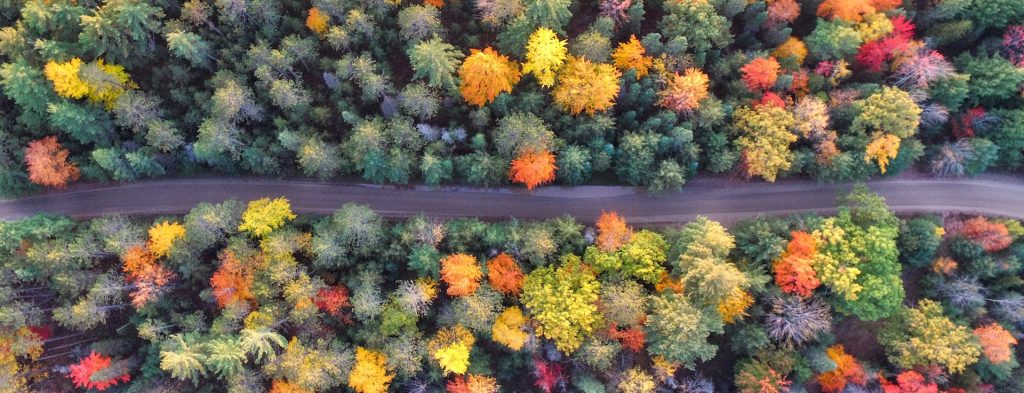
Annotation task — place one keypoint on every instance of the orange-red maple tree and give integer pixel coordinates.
(847, 371)
(504, 274)
(794, 272)
(232, 282)
(761, 73)
(612, 231)
(992, 236)
(533, 168)
(144, 273)
(909, 382)
(632, 338)
(996, 342)
(332, 300)
(82, 373)
(48, 163)
(462, 274)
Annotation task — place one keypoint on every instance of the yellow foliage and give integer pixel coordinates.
(369, 374)
(636, 381)
(882, 149)
(509, 328)
(485, 74)
(65, 78)
(735, 305)
(109, 87)
(453, 358)
(875, 25)
(264, 215)
(162, 236)
(629, 55)
(545, 54)
(792, 47)
(683, 93)
(317, 21)
(586, 87)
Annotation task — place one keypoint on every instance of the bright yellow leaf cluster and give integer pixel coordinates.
(485, 74)
(836, 268)
(508, 329)
(631, 55)
(65, 78)
(369, 374)
(162, 236)
(545, 55)
(882, 149)
(735, 305)
(264, 215)
(792, 47)
(450, 347)
(316, 21)
(68, 81)
(586, 87)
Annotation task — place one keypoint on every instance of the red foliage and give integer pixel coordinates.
(549, 375)
(992, 236)
(964, 128)
(332, 300)
(48, 163)
(504, 274)
(43, 332)
(760, 73)
(902, 28)
(457, 385)
(847, 370)
(83, 372)
(909, 382)
(1013, 44)
(632, 338)
(872, 55)
(793, 272)
(771, 99)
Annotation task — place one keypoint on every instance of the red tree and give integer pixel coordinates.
(909, 382)
(872, 55)
(48, 163)
(94, 372)
(332, 300)
(549, 375)
(760, 73)
(847, 370)
(632, 338)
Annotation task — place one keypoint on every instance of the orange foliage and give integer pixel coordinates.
(145, 274)
(944, 266)
(760, 73)
(232, 282)
(847, 371)
(632, 338)
(996, 342)
(504, 274)
(472, 384)
(462, 274)
(317, 21)
(485, 74)
(782, 11)
(794, 272)
(533, 169)
(885, 5)
(332, 300)
(435, 3)
(909, 382)
(992, 236)
(848, 10)
(630, 55)
(48, 163)
(683, 93)
(612, 231)
(669, 283)
(280, 386)
(93, 372)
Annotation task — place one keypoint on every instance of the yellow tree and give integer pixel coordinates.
(104, 83)
(485, 74)
(65, 78)
(586, 87)
(764, 138)
(265, 215)
(162, 236)
(369, 374)
(631, 55)
(510, 328)
(882, 149)
(450, 347)
(545, 55)
(791, 48)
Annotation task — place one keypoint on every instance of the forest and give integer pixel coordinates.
(250, 297)
(495, 92)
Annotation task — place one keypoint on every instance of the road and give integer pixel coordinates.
(999, 195)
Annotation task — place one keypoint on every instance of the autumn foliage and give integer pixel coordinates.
(683, 93)
(462, 274)
(162, 236)
(586, 87)
(882, 149)
(504, 274)
(485, 74)
(508, 329)
(761, 73)
(82, 373)
(909, 382)
(548, 375)
(316, 21)
(145, 274)
(848, 10)
(472, 384)
(369, 374)
(996, 343)
(332, 300)
(990, 235)
(873, 54)
(545, 54)
(48, 163)
(847, 371)
(533, 168)
(794, 272)
(232, 282)
(612, 231)
(631, 55)
(632, 338)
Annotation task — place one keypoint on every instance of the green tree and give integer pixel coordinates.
(678, 331)
(553, 14)
(574, 165)
(189, 46)
(352, 232)
(993, 80)
(890, 110)
(834, 39)
(120, 30)
(520, 133)
(699, 26)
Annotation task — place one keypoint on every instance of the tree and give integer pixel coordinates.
(760, 73)
(450, 347)
(586, 87)
(793, 48)
(991, 236)
(833, 40)
(96, 372)
(504, 274)
(545, 54)
(485, 74)
(265, 215)
(631, 55)
(65, 78)
(924, 336)
(48, 163)
(182, 360)
(764, 137)
(189, 46)
(533, 169)
(162, 236)
(317, 21)
(699, 24)
(369, 374)
(510, 329)
(472, 384)
(636, 380)
(847, 10)
(552, 14)
(794, 272)
(996, 342)
(332, 300)
(909, 382)
(418, 22)
(847, 371)
(562, 301)
(462, 274)
(882, 149)
(521, 133)
(232, 282)
(993, 80)
(612, 231)
(794, 321)
(890, 110)
(678, 332)
(352, 232)
(683, 93)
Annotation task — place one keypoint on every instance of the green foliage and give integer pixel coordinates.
(678, 331)
(994, 79)
(562, 300)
